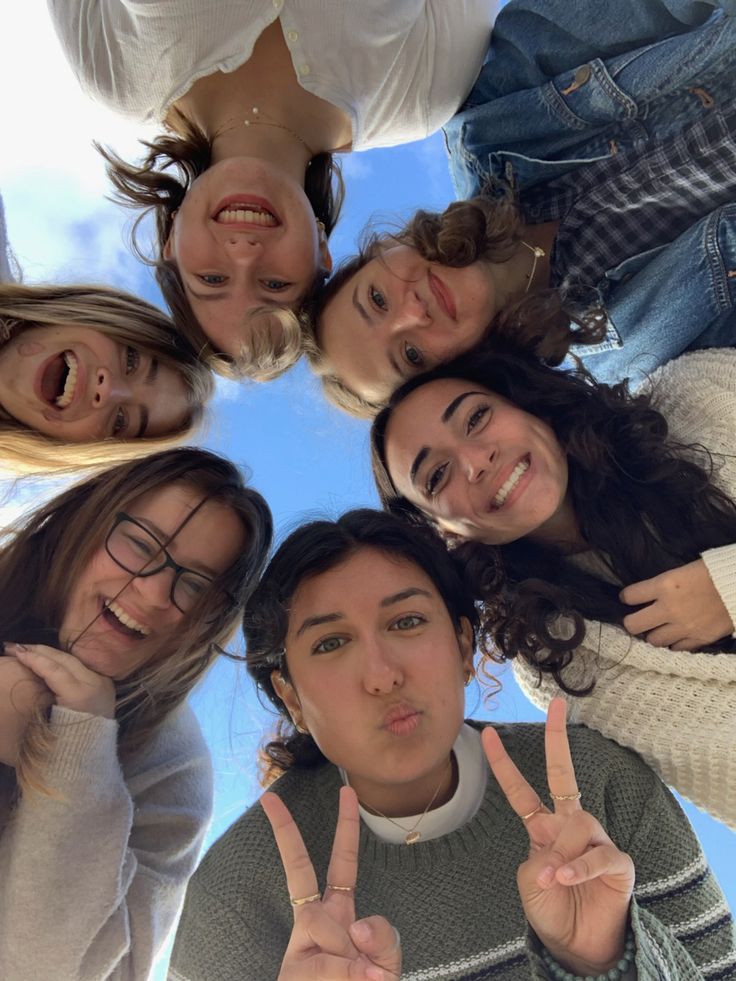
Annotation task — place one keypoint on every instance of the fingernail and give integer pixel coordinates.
(567, 872)
(15, 648)
(546, 876)
(361, 931)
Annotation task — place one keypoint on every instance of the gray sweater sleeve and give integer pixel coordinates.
(92, 878)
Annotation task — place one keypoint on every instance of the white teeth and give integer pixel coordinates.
(70, 384)
(254, 217)
(516, 474)
(126, 620)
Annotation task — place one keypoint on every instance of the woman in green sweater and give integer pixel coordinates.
(361, 635)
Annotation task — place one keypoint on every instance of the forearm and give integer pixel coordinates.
(91, 877)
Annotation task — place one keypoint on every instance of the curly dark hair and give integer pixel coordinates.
(159, 183)
(311, 550)
(487, 228)
(645, 502)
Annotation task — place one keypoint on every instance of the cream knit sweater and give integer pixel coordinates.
(677, 709)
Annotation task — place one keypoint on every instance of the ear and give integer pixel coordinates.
(168, 250)
(465, 643)
(325, 257)
(287, 693)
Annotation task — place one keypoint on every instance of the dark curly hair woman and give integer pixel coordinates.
(600, 524)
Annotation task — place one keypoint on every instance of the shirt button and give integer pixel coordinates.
(304, 69)
(292, 36)
(277, 4)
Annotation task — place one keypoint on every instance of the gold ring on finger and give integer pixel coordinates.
(307, 899)
(576, 796)
(537, 809)
(335, 888)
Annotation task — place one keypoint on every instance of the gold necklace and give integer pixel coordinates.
(412, 835)
(257, 120)
(538, 253)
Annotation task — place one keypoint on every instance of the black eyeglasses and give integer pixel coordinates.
(137, 550)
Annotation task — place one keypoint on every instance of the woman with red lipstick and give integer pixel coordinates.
(615, 517)
(361, 636)
(89, 376)
(116, 597)
(255, 99)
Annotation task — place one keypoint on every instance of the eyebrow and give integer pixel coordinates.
(164, 537)
(399, 597)
(360, 308)
(143, 424)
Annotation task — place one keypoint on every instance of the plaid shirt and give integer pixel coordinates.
(619, 207)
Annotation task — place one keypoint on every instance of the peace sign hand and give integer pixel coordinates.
(327, 943)
(576, 886)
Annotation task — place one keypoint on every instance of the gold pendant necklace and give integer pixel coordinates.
(412, 835)
(538, 253)
(256, 119)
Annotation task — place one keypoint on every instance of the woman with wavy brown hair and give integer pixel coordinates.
(600, 526)
(117, 596)
(445, 282)
(256, 98)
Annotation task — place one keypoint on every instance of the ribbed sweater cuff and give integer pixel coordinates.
(82, 744)
(721, 566)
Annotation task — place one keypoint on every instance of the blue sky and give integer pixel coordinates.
(306, 458)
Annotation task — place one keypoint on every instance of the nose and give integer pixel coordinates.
(155, 591)
(475, 460)
(412, 311)
(110, 387)
(242, 249)
(381, 673)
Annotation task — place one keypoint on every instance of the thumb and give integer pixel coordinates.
(377, 940)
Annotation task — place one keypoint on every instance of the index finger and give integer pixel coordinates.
(561, 780)
(342, 873)
(301, 880)
(522, 797)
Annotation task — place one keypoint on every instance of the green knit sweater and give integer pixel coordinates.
(454, 899)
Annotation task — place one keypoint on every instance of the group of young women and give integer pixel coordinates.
(577, 521)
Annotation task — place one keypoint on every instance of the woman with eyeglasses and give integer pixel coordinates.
(89, 375)
(117, 596)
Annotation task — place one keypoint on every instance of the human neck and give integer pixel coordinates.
(526, 272)
(562, 531)
(407, 799)
(267, 81)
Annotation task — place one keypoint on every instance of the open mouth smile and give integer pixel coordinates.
(246, 211)
(121, 621)
(510, 483)
(59, 381)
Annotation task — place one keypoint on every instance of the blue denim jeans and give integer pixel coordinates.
(567, 82)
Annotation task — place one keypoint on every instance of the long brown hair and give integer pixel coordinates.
(482, 229)
(45, 554)
(158, 184)
(127, 320)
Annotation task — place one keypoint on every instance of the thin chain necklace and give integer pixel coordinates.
(412, 835)
(256, 119)
(538, 253)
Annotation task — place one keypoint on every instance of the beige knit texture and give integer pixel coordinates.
(677, 709)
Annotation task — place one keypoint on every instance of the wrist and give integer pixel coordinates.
(562, 967)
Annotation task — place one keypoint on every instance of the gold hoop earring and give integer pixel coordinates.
(468, 677)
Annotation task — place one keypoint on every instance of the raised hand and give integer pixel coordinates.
(575, 886)
(73, 685)
(327, 943)
(685, 610)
